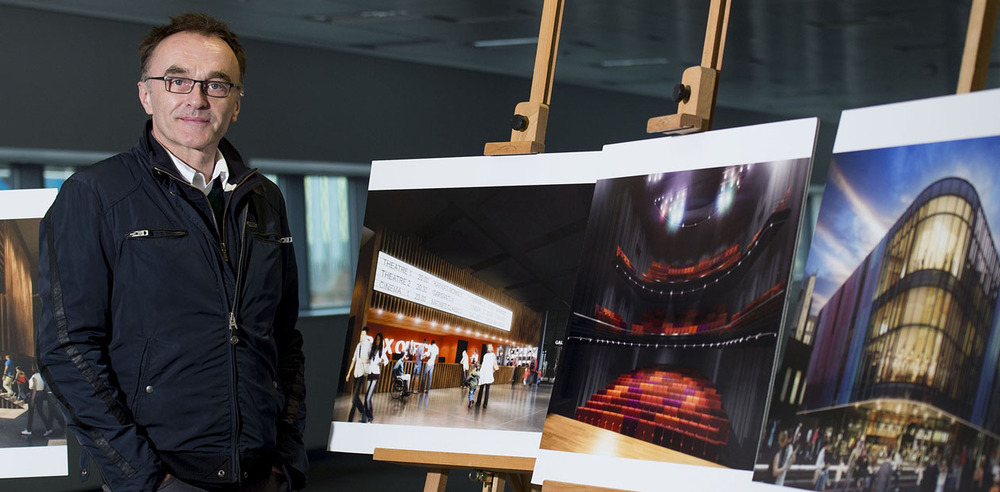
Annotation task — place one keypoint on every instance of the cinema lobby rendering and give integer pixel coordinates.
(465, 276)
(676, 315)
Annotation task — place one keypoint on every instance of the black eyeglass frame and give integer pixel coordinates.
(204, 87)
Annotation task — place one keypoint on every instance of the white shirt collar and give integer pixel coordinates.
(197, 179)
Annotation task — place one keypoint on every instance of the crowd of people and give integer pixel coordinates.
(852, 464)
(370, 355)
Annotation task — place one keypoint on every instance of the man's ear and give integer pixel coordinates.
(144, 97)
(236, 112)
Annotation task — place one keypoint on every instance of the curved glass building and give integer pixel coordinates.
(911, 336)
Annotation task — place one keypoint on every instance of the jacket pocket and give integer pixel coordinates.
(155, 233)
(139, 392)
(271, 237)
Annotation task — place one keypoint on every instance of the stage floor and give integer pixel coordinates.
(518, 407)
(565, 434)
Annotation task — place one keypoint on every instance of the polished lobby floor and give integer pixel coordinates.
(517, 407)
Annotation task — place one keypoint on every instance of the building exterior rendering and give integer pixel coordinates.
(906, 349)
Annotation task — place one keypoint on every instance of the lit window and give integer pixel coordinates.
(328, 241)
(54, 176)
(784, 387)
(5, 179)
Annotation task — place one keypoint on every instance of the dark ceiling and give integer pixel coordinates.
(523, 240)
(794, 58)
(788, 58)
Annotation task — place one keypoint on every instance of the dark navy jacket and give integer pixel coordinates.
(171, 346)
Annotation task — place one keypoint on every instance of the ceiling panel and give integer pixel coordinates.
(809, 57)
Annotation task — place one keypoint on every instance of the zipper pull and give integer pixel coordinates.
(225, 254)
(233, 338)
(140, 233)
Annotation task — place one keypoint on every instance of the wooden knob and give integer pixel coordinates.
(519, 123)
(681, 93)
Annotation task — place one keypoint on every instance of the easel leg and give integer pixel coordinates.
(436, 481)
(520, 482)
(498, 484)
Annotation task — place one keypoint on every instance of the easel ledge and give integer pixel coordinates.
(514, 469)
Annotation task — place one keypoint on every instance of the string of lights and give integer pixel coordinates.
(726, 343)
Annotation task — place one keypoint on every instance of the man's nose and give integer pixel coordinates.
(197, 96)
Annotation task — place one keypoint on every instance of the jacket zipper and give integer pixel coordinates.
(141, 233)
(234, 339)
(233, 327)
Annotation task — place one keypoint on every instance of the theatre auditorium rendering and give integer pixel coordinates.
(466, 269)
(676, 315)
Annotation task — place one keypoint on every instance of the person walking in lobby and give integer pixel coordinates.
(359, 369)
(465, 367)
(472, 381)
(486, 375)
(432, 355)
(419, 356)
(376, 359)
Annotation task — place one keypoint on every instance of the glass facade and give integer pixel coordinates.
(932, 308)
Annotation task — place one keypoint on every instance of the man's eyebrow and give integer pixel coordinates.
(216, 75)
(220, 75)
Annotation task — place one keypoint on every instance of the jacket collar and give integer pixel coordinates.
(157, 156)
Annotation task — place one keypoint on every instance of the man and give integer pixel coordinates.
(40, 395)
(419, 356)
(359, 369)
(432, 356)
(168, 290)
(8, 375)
(783, 459)
(822, 473)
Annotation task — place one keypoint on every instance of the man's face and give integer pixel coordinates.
(190, 122)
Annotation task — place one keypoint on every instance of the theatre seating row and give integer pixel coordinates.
(687, 322)
(748, 313)
(664, 272)
(676, 408)
(608, 316)
(661, 272)
(681, 323)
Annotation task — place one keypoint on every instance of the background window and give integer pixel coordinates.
(328, 241)
(5, 180)
(54, 176)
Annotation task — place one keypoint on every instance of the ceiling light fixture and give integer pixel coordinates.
(498, 43)
(633, 62)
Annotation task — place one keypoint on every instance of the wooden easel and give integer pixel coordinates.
(527, 137)
(531, 117)
(978, 42)
(496, 471)
(695, 95)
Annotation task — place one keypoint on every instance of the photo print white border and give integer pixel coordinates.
(788, 140)
(30, 461)
(462, 172)
(923, 121)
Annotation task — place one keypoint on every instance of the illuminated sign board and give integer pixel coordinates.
(402, 280)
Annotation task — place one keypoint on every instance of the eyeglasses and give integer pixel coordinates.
(211, 88)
